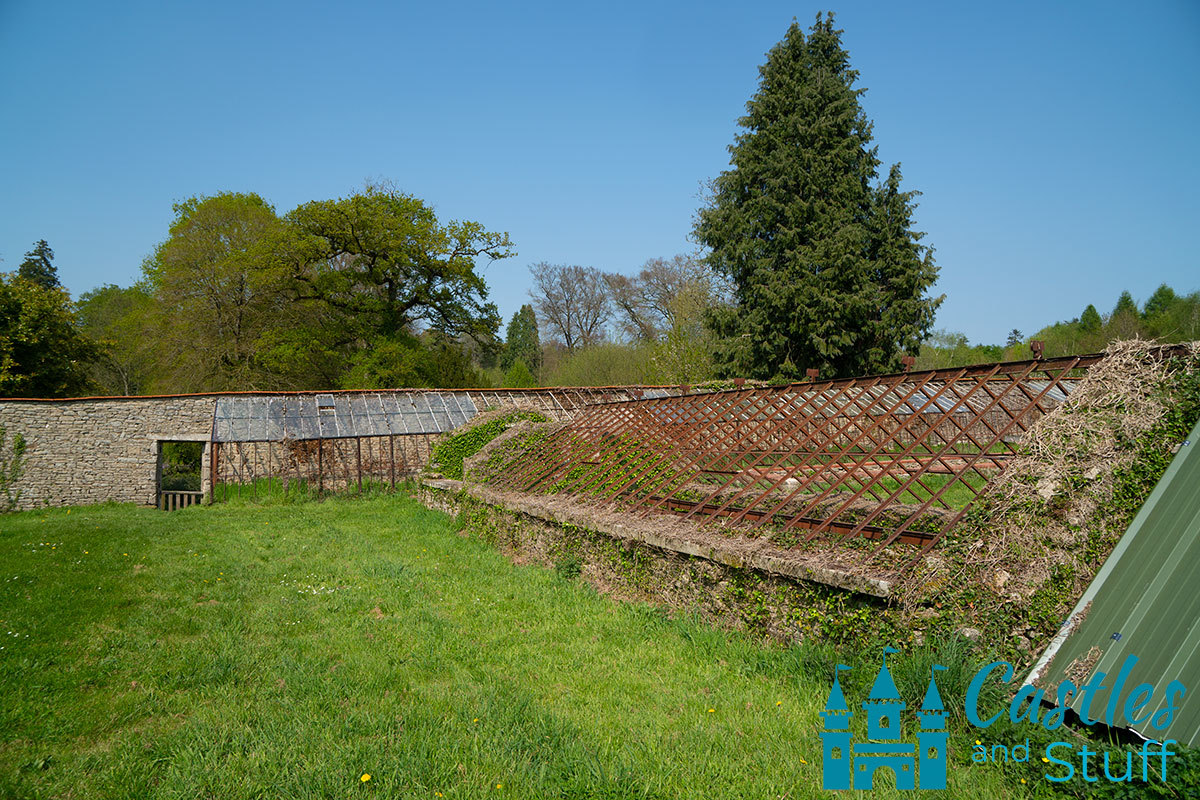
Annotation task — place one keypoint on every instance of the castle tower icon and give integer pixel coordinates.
(931, 740)
(836, 760)
(847, 763)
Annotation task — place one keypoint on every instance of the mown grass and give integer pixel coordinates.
(245, 651)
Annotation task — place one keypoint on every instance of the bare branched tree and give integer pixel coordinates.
(572, 301)
(646, 304)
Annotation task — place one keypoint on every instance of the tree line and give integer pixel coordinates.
(365, 291)
(1166, 316)
(807, 259)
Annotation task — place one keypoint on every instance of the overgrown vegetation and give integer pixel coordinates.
(180, 464)
(449, 453)
(12, 464)
(1016, 564)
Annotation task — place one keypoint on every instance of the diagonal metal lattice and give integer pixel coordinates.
(888, 458)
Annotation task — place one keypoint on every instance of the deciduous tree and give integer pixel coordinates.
(215, 292)
(386, 265)
(645, 303)
(42, 351)
(118, 320)
(573, 301)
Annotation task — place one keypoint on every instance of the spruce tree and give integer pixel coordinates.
(38, 266)
(1089, 320)
(826, 269)
(1158, 304)
(1126, 305)
(521, 341)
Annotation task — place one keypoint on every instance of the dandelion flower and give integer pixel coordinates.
(366, 776)
(779, 703)
(978, 742)
(1022, 780)
(1046, 760)
(499, 785)
(475, 720)
(712, 710)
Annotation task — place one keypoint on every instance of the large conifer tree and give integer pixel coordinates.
(826, 269)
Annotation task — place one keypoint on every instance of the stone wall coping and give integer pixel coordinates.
(773, 563)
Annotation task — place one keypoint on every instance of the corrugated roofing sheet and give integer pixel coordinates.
(264, 419)
(1144, 602)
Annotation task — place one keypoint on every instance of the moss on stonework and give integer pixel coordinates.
(776, 607)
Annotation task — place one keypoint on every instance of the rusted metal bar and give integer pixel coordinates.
(358, 459)
(214, 459)
(930, 400)
(879, 509)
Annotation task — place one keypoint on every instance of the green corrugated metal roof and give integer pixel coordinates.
(1145, 601)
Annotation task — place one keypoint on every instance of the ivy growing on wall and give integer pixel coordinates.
(449, 454)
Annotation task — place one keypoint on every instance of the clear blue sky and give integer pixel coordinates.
(1055, 143)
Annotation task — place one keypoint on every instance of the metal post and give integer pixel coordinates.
(358, 460)
(213, 460)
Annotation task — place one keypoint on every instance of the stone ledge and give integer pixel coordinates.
(760, 556)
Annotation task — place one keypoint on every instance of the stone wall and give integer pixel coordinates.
(95, 450)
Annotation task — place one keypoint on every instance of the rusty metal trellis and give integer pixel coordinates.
(888, 458)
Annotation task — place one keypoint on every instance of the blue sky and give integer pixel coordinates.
(1054, 143)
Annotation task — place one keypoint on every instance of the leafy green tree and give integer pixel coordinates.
(405, 361)
(1159, 302)
(38, 266)
(1014, 338)
(1089, 320)
(214, 293)
(42, 351)
(826, 269)
(683, 353)
(118, 319)
(518, 376)
(385, 265)
(521, 342)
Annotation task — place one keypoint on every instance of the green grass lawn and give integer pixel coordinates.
(285, 651)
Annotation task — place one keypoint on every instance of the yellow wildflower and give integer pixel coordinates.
(365, 777)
